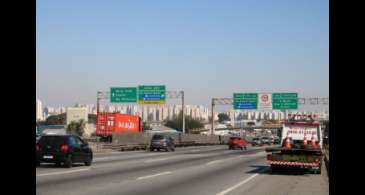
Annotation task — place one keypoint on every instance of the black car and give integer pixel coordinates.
(160, 141)
(66, 149)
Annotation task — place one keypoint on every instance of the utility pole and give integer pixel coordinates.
(183, 111)
(212, 117)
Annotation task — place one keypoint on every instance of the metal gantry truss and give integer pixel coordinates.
(313, 101)
(105, 95)
(169, 94)
(301, 101)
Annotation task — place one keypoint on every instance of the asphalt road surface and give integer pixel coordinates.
(212, 170)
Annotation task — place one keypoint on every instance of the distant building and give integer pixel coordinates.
(39, 110)
(75, 114)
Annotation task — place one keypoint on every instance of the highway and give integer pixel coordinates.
(202, 170)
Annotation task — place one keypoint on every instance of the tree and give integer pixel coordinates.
(190, 123)
(56, 119)
(223, 117)
(76, 128)
(92, 118)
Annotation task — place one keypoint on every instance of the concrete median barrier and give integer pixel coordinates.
(126, 141)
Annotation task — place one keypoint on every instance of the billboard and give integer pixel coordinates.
(126, 123)
(108, 123)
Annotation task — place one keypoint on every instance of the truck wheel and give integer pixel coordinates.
(274, 169)
(319, 171)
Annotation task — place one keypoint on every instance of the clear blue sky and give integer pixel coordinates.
(208, 48)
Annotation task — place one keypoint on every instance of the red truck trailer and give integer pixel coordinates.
(300, 146)
(108, 123)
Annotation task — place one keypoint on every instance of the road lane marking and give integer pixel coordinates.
(62, 172)
(155, 175)
(193, 150)
(214, 162)
(121, 157)
(241, 183)
(155, 160)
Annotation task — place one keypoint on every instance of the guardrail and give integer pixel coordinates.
(326, 156)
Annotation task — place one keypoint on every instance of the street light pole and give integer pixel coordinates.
(212, 118)
(183, 111)
(98, 102)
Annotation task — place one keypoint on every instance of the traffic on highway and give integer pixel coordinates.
(189, 170)
(182, 98)
(66, 164)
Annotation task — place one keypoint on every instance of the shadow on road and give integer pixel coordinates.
(52, 165)
(266, 170)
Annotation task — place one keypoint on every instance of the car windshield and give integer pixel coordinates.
(158, 137)
(52, 140)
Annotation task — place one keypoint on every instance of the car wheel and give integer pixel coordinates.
(88, 162)
(151, 149)
(58, 164)
(68, 162)
(173, 149)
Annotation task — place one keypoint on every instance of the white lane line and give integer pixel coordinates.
(193, 150)
(62, 172)
(241, 183)
(155, 160)
(155, 175)
(214, 162)
(121, 157)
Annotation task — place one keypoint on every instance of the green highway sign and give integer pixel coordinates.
(245, 100)
(148, 94)
(123, 94)
(285, 101)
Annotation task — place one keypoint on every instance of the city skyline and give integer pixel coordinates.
(207, 49)
(168, 112)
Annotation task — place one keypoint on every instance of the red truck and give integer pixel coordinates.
(108, 123)
(300, 146)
